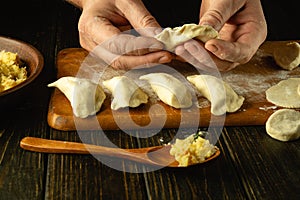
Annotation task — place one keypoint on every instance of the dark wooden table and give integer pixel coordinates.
(251, 166)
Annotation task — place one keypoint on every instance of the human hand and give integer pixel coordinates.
(242, 29)
(101, 23)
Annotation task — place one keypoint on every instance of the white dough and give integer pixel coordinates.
(178, 35)
(288, 56)
(169, 89)
(126, 93)
(222, 97)
(285, 93)
(85, 96)
(284, 125)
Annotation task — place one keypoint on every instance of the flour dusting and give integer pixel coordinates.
(254, 78)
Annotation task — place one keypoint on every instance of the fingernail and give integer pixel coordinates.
(164, 59)
(212, 48)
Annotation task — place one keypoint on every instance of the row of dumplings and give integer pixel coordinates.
(126, 93)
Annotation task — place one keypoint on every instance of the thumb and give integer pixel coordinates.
(217, 14)
(140, 18)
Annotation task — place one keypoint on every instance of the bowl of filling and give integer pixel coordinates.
(20, 65)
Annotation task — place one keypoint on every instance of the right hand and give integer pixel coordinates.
(242, 29)
(101, 23)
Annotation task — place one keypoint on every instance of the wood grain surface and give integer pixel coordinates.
(250, 80)
(252, 165)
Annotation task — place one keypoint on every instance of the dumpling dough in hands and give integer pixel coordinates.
(284, 125)
(125, 92)
(178, 35)
(222, 97)
(85, 96)
(169, 89)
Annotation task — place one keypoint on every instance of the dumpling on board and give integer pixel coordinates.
(222, 97)
(169, 89)
(125, 92)
(85, 96)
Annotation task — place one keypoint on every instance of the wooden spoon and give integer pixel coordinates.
(156, 155)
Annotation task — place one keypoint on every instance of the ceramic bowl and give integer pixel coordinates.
(34, 63)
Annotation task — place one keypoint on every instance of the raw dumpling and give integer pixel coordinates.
(288, 56)
(85, 96)
(222, 97)
(285, 93)
(284, 125)
(169, 89)
(178, 35)
(126, 93)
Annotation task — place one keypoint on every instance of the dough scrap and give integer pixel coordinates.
(222, 97)
(299, 89)
(169, 89)
(125, 92)
(285, 93)
(284, 125)
(178, 35)
(80, 93)
(288, 56)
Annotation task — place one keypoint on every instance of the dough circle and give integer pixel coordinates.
(284, 125)
(288, 56)
(285, 93)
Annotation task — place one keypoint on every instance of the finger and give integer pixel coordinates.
(109, 37)
(183, 54)
(95, 26)
(230, 51)
(125, 44)
(129, 62)
(140, 18)
(126, 62)
(198, 57)
(210, 59)
(194, 59)
(86, 42)
(144, 61)
(197, 50)
(217, 14)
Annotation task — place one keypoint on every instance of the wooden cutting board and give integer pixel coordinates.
(249, 80)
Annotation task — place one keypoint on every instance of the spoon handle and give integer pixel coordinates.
(55, 146)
